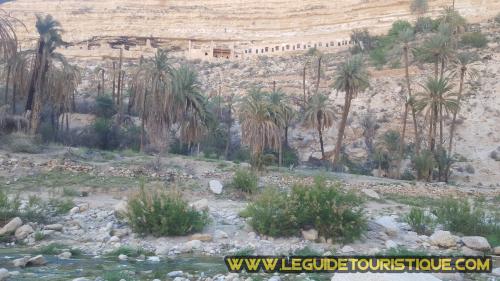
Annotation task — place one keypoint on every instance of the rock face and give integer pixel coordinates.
(23, 232)
(476, 243)
(215, 186)
(200, 205)
(21, 262)
(390, 226)
(11, 226)
(56, 227)
(443, 239)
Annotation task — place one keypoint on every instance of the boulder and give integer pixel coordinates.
(384, 277)
(36, 261)
(205, 237)
(476, 243)
(122, 257)
(120, 232)
(177, 273)
(200, 205)
(310, 235)
(390, 226)
(4, 274)
(347, 249)
(23, 232)
(371, 193)
(496, 251)
(215, 186)
(64, 255)
(496, 271)
(74, 210)
(219, 234)
(120, 208)
(191, 245)
(56, 227)
(11, 226)
(443, 239)
(389, 244)
(20, 262)
(81, 279)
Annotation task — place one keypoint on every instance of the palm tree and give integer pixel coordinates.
(151, 86)
(283, 116)
(319, 114)
(8, 38)
(351, 78)
(404, 38)
(49, 39)
(189, 106)
(463, 65)
(436, 95)
(258, 125)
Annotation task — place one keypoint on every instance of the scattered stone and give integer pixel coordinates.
(56, 227)
(64, 255)
(389, 244)
(310, 235)
(191, 245)
(219, 234)
(114, 239)
(120, 208)
(122, 257)
(470, 252)
(20, 262)
(120, 232)
(215, 186)
(275, 278)
(476, 243)
(205, 237)
(4, 274)
(496, 271)
(200, 205)
(496, 250)
(83, 207)
(371, 193)
(11, 226)
(37, 261)
(347, 249)
(390, 226)
(81, 279)
(74, 210)
(23, 232)
(177, 273)
(443, 239)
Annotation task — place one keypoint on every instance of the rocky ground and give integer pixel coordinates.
(101, 182)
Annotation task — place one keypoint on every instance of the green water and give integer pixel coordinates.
(110, 269)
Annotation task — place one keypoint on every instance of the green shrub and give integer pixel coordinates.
(61, 206)
(163, 214)
(423, 163)
(425, 25)
(378, 57)
(39, 236)
(462, 217)
(399, 26)
(333, 213)
(245, 180)
(35, 210)
(419, 6)
(104, 106)
(420, 221)
(474, 39)
(21, 143)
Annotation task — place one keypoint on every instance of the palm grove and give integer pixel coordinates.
(175, 115)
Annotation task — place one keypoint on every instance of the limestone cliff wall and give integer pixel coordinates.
(223, 20)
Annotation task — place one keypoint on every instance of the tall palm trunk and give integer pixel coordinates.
(304, 85)
(36, 65)
(320, 133)
(402, 141)
(37, 97)
(453, 122)
(119, 79)
(143, 116)
(319, 74)
(7, 84)
(14, 92)
(113, 93)
(343, 122)
(102, 81)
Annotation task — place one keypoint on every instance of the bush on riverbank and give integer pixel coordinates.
(245, 180)
(334, 213)
(163, 214)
